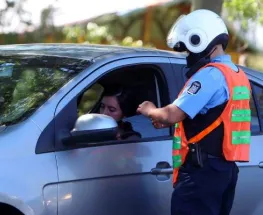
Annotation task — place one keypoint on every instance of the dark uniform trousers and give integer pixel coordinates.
(209, 190)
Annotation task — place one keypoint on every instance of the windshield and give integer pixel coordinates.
(26, 82)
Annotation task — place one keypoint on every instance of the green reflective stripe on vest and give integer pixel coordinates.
(176, 125)
(176, 142)
(177, 161)
(241, 93)
(241, 115)
(241, 137)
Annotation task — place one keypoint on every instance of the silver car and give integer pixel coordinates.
(59, 156)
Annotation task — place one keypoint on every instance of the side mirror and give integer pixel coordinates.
(90, 129)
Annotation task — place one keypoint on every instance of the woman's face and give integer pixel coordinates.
(110, 107)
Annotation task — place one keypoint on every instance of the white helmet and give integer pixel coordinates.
(197, 31)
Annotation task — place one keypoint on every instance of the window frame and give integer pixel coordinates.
(257, 106)
(165, 70)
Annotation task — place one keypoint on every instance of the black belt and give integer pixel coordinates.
(197, 157)
(212, 156)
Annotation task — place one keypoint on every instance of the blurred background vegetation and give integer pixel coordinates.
(140, 27)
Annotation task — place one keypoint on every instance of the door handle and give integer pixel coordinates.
(162, 168)
(260, 165)
(161, 171)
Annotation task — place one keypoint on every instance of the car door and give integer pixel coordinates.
(249, 190)
(128, 178)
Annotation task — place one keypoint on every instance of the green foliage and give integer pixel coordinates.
(95, 34)
(245, 10)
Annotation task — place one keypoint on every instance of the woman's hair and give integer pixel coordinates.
(126, 98)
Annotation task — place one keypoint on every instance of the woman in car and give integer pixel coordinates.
(118, 104)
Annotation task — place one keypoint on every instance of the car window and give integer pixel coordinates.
(254, 116)
(142, 85)
(26, 82)
(258, 96)
(89, 99)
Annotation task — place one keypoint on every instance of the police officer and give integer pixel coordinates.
(211, 117)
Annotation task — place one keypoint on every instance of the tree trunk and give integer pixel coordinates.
(214, 5)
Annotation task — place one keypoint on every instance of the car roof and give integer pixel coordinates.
(81, 51)
(90, 52)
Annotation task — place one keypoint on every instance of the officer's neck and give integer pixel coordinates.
(217, 52)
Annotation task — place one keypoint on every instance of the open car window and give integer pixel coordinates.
(139, 84)
(26, 82)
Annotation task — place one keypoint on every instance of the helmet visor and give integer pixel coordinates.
(174, 35)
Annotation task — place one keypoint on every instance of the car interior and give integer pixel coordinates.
(145, 82)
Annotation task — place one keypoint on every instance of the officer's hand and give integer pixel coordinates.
(159, 125)
(145, 108)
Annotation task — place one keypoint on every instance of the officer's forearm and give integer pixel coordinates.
(160, 115)
(167, 115)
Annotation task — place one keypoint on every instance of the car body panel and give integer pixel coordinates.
(248, 197)
(115, 178)
(23, 178)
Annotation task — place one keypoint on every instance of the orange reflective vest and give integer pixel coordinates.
(235, 117)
